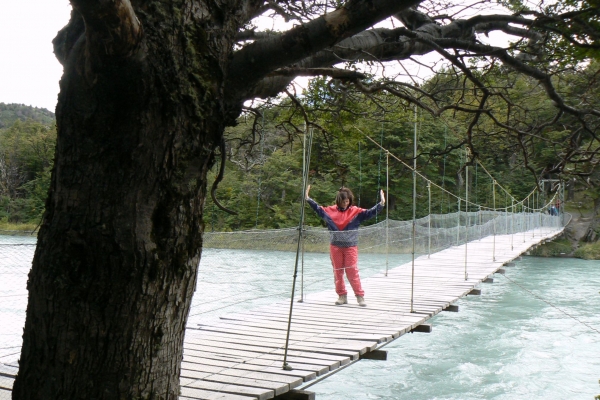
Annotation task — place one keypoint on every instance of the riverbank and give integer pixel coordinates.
(7, 228)
(571, 244)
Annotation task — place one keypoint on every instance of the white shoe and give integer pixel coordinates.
(343, 299)
(361, 301)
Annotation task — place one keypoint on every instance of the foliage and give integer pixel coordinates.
(554, 248)
(264, 172)
(26, 159)
(588, 251)
(10, 113)
(21, 229)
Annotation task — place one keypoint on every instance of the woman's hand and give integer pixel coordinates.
(307, 190)
(382, 202)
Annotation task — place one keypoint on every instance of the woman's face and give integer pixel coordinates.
(345, 203)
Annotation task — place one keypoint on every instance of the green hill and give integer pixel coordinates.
(9, 113)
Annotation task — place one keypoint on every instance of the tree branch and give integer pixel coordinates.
(111, 27)
(253, 62)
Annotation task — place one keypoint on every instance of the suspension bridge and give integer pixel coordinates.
(272, 352)
(278, 349)
(264, 353)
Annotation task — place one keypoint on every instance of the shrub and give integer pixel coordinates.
(588, 251)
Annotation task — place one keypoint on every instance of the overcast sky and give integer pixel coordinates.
(29, 72)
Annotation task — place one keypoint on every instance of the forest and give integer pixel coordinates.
(27, 143)
(263, 177)
(351, 133)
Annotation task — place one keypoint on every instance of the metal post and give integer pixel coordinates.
(505, 214)
(562, 205)
(458, 223)
(480, 222)
(494, 219)
(286, 366)
(429, 220)
(535, 205)
(304, 177)
(525, 220)
(512, 222)
(414, 229)
(467, 214)
(262, 147)
(533, 216)
(387, 213)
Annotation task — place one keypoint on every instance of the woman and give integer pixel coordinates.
(342, 220)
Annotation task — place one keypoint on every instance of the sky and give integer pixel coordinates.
(29, 71)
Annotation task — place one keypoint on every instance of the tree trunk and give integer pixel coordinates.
(117, 256)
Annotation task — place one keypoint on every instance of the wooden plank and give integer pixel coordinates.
(329, 328)
(318, 312)
(308, 341)
(188, 393)
(215, 359)
(256, 354)
(276, 387)
(320, 325)
(241, 356)
(185, 381)
(260, 394)
(328, 348)
(191, 369)
(8, 371)
(275, 349)
(305, 375)
(383, 321)
(338, 335)
(6, 382)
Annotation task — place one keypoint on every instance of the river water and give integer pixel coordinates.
(515, 341)
(532, 334)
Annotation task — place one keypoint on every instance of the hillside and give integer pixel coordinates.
(9, 113)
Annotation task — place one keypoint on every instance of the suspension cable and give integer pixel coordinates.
(552, 305)
(286, 366)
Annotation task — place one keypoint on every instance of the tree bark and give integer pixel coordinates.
(118, 251)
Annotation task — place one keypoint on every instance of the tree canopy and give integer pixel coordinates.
(149, 88)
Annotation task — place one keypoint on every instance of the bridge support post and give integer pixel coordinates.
(451, 308)
(296, 395)
(422, 328)
(380, 355)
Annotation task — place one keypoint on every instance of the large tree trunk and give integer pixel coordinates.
(118, 251)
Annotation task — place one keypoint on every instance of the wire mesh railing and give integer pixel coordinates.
(16, 254)
(243, 270)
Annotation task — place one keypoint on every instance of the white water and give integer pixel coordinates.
(504, 344)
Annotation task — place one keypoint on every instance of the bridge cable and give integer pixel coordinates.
(551, 305)
(520, 202)
(359, 172)
(414, 212)
(262, 167)
(286, 366)
(387, 211)
(467, 215)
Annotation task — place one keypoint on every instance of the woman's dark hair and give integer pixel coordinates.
(343, 194)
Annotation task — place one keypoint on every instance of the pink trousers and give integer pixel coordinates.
(345, 259)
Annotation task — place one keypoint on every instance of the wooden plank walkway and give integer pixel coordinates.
(241, 356)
